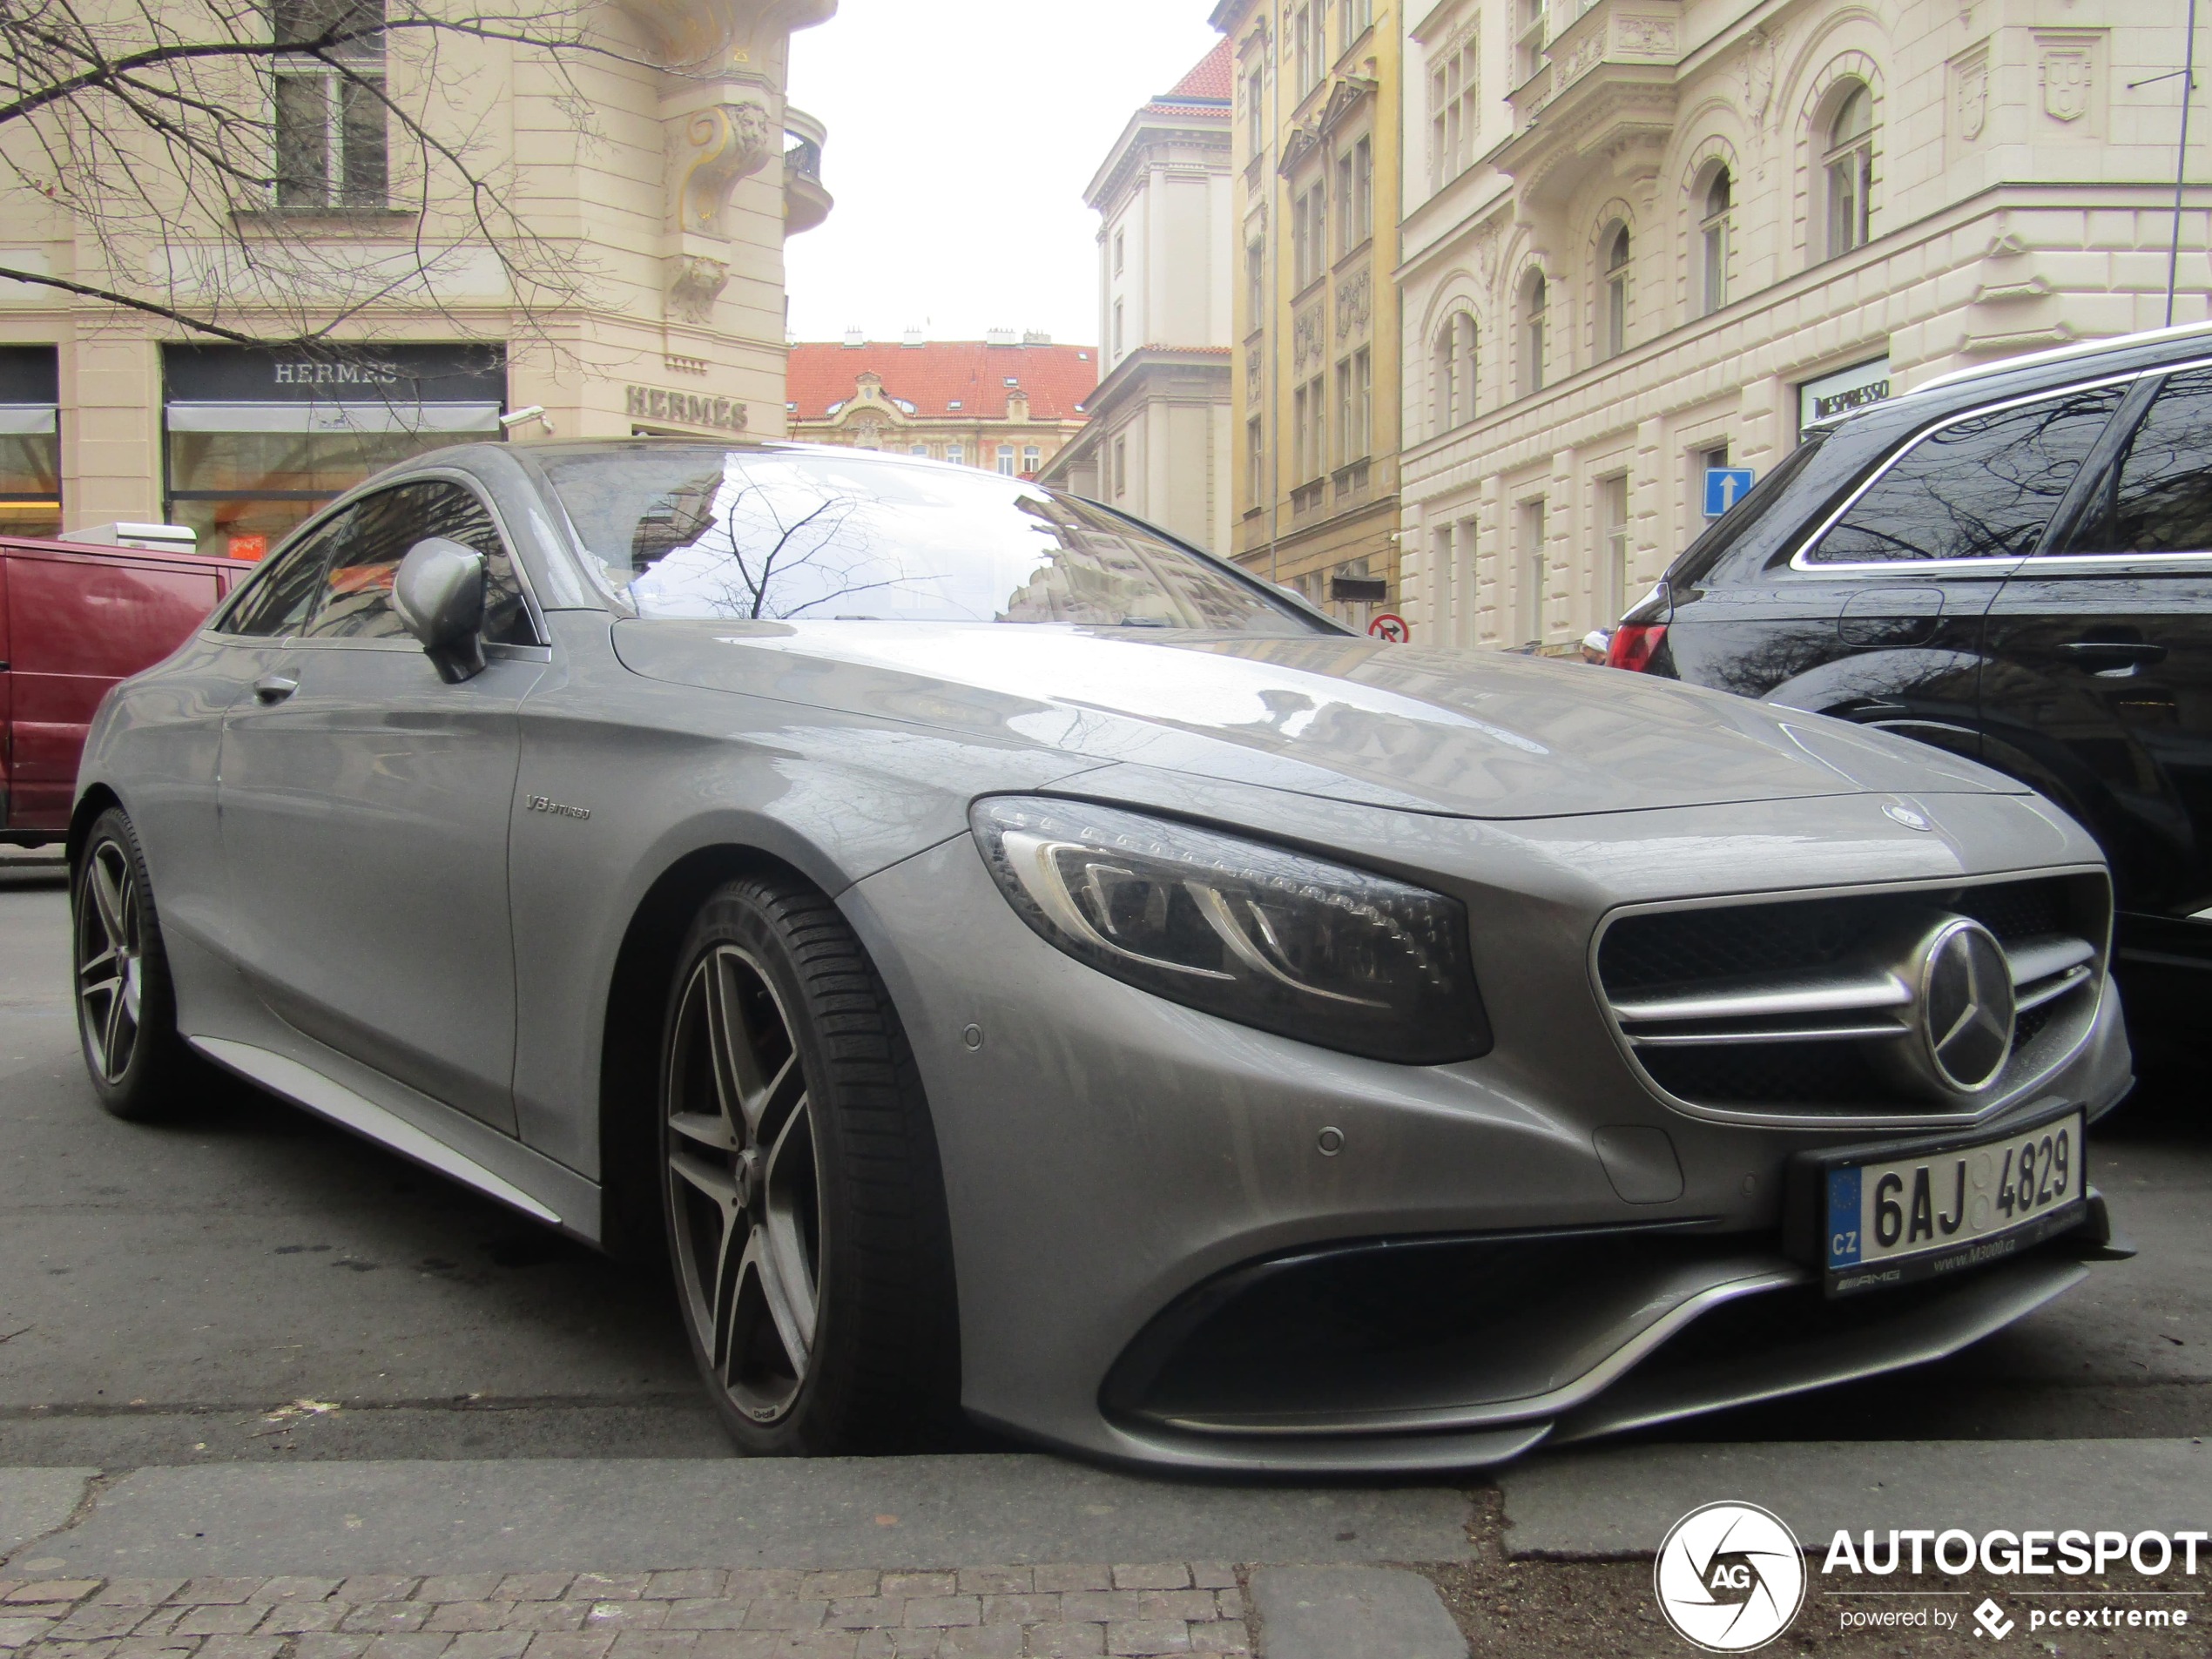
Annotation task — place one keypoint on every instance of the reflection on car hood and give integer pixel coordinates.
(1476, 735)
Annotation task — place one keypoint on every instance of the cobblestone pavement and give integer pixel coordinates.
(988, 1613)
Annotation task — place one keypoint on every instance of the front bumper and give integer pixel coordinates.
(1126, 1179)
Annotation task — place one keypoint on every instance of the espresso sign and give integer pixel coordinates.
(1840, 392)
(685, 408)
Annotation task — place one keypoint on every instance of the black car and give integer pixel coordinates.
(2013, 563)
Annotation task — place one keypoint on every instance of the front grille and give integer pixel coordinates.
(1812, 1007)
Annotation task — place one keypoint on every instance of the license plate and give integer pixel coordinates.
(1897, 1219)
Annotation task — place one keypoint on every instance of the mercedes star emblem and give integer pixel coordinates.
(1966, 1005)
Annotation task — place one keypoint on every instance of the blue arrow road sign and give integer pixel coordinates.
(1724, 487)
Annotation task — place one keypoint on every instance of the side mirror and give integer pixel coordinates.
(439, 597)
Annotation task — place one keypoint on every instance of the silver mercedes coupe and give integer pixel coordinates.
(1022, 969)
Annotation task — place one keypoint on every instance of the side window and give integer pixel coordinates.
(357, 591)
(277, 600)
(1981, 488)
(2157, 497)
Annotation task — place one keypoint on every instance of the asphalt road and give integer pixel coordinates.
(252, 1284)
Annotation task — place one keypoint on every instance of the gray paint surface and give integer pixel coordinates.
(1621, 1502)
(638, 1514)
(1354, 1613)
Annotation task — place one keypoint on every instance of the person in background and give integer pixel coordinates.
(1594, 644)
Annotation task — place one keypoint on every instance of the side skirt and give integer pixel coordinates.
(416, 1127)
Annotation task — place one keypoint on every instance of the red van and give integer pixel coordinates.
(75, 617)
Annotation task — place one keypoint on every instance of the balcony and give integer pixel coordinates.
(1607, 81)
(806, 204)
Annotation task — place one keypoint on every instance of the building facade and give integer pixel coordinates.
(1315, 378)
(666, 207)
(1159, 441)
(1008, 403)
(1647, 238)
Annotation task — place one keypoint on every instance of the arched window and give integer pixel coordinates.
(1712, 245)
(1613, 328)
(1452, 371)
(1534, 300)
(1848, 168)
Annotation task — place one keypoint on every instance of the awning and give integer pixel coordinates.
(338, 418)
(18, 420)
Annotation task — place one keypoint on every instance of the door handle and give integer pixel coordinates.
(2096, 655)
(274, 688)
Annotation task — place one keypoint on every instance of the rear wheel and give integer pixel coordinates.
(804, 1205)
(126, 1005)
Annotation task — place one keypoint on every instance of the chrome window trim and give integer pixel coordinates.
(1994, 1108)
(1800, 560)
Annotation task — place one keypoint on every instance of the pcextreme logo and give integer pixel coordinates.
(1729, 1577)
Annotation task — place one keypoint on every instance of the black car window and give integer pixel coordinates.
(357, 587)
(279, 597)
(2157, 496)
(1977, 488)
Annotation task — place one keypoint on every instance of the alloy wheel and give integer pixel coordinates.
(110, 960)
(744, 1184)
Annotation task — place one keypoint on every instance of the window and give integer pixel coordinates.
(1301, 418)
(1359, 206)
(1358, 16)
(30, 443)
(1361, 442)
(1613, 331)
(1529, 44)
(1310, 414)
(1345, 450)
(328, 120)
(1983, 487)
(1534, 300)
(955, 453)
(1302, 53)
(1255, 464)
(2157, 497)
(1455, 111)
(1254, 285)
(1309, 233)
(917, 449)
(1848, 168)
(705, 530)
(1255, 111)
(365, 544)
(1121, 468)
(1121, 252)
(1712, 245)
(277, 601)
(1534, 574)
(1613, 551)
(1032, 458)
(1006, 461)
(1118, 328)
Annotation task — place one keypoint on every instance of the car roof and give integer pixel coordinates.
(2149, 342)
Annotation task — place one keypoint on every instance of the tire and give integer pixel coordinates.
(800, 1186)
(126, 1003)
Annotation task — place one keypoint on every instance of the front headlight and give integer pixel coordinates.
(1266, 937)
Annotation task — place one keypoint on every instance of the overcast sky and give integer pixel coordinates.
(961, 134)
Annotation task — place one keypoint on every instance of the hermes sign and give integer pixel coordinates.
(684, 408)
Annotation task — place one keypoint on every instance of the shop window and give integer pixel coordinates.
(1848, 169)
(332, 143)
(30, 451)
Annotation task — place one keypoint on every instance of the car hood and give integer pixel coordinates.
(1475, 735)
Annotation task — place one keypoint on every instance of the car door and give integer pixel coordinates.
(366, 808)
(2098, 684)
(1916, 556)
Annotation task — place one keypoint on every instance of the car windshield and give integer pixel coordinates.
(711, 531)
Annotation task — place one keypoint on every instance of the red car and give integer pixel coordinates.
(76, 618)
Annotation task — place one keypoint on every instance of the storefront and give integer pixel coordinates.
(1842, 391)
(256, 439)
(31, 441)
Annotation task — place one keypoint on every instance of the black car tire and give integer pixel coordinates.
(800, 1187)
(126, 1003)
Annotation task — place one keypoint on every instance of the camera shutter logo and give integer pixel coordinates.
(1729, 1577)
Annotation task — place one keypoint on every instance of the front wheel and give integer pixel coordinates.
(127, 1006)
(804, 1207)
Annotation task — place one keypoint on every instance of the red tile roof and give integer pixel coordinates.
(1211, 78)
(932, 376)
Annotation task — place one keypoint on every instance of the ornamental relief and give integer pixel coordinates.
(1252, 376)
(1306, 337)
(717, 147)
(1352, 304)
(2066, 77)
(1644, 36)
